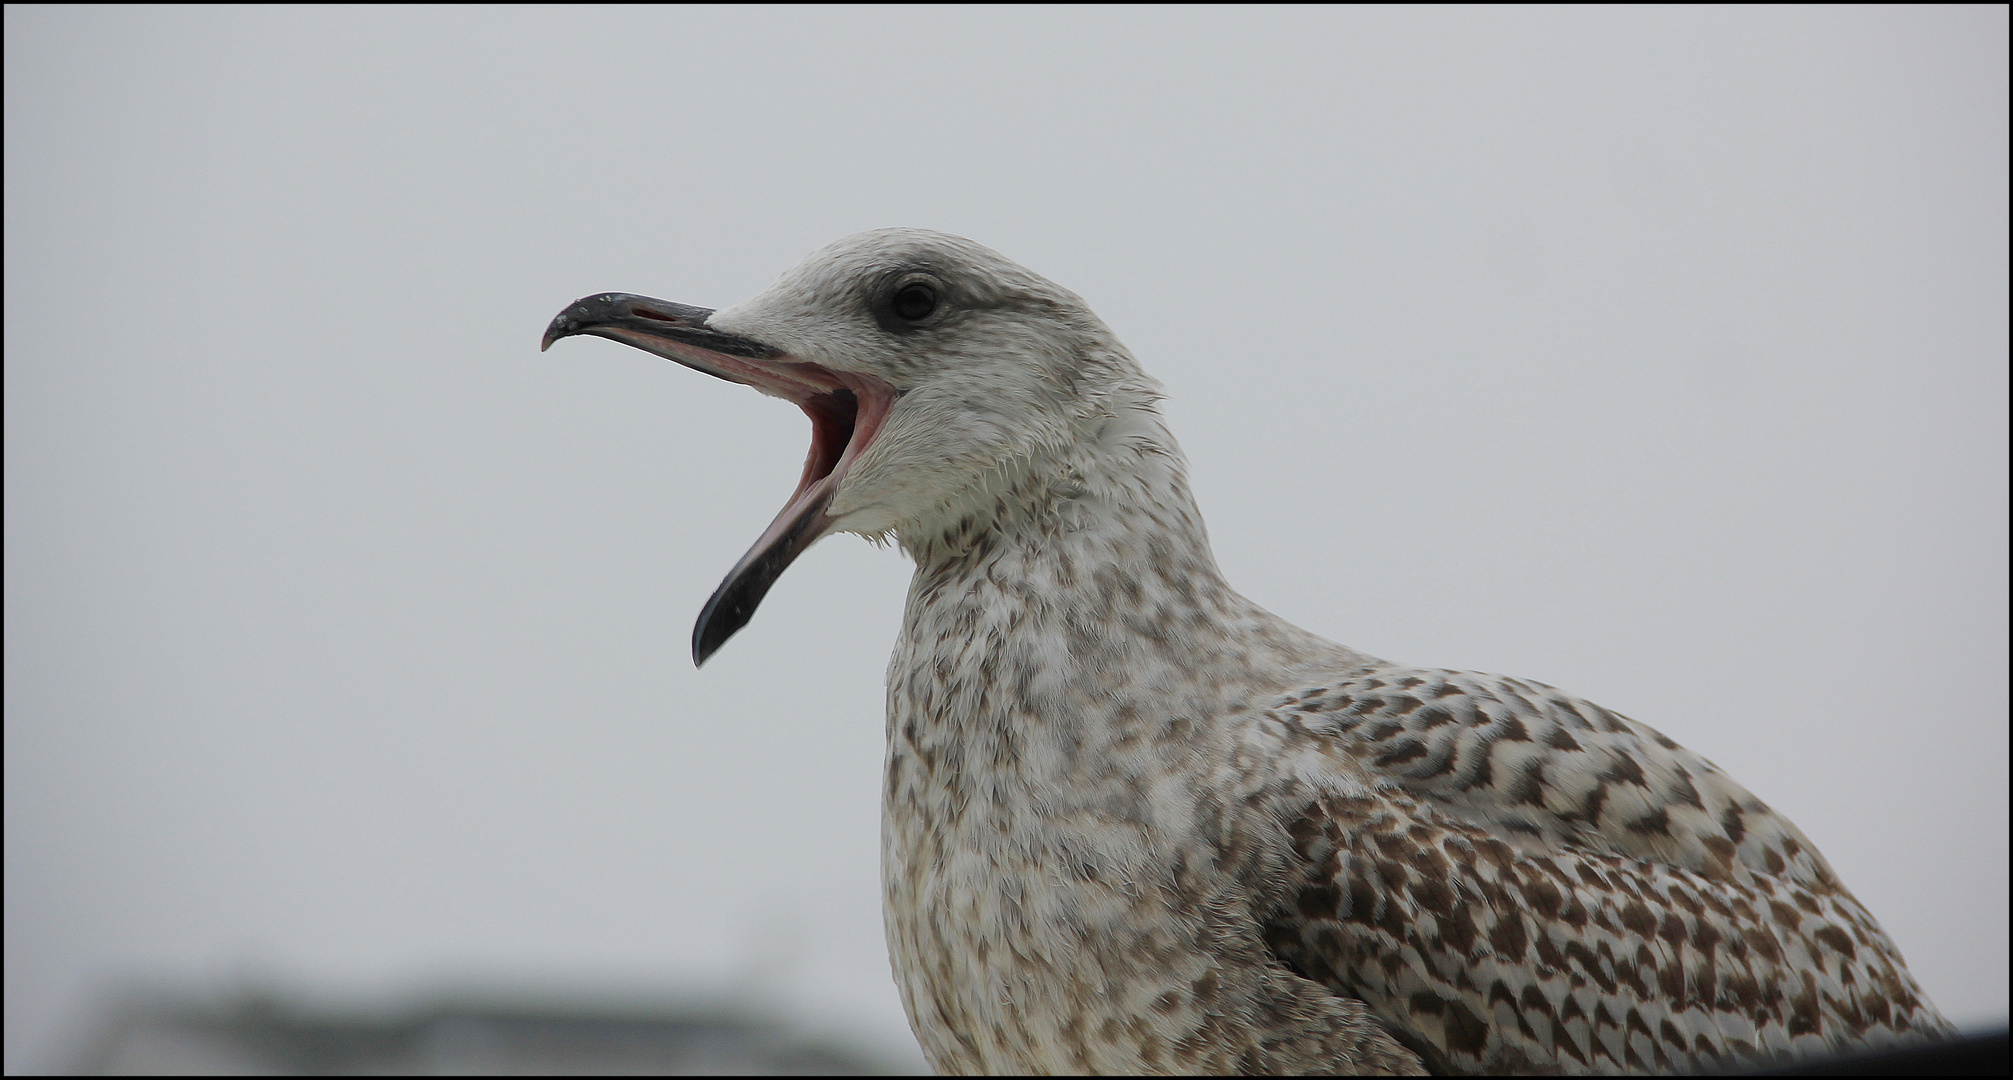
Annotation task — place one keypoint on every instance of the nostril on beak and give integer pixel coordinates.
(646, 313)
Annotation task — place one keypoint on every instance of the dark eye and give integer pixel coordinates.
(915, 301)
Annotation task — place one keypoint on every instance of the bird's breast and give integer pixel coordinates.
(1014, 921)
(1036, 913)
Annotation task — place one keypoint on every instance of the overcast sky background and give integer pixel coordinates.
(1660, 355)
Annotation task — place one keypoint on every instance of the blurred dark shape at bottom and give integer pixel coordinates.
(259, 1034)
(1966, 1055)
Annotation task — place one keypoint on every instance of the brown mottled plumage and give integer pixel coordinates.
(1135, 823)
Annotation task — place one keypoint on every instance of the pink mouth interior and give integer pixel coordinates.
(833, 417)
(844, 421)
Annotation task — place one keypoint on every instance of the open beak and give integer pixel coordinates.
(846, 409)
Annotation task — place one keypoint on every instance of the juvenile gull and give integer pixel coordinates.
(1134, 823)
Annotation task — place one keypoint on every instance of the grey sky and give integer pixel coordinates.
(1656, 354)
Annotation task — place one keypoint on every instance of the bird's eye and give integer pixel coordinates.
(915, 301)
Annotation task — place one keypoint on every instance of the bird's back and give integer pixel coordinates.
(1533, 882)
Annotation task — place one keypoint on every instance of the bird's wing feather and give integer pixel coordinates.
(1529, 882)
(1541, 768)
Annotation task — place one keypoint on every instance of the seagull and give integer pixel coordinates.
(1134, 823)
